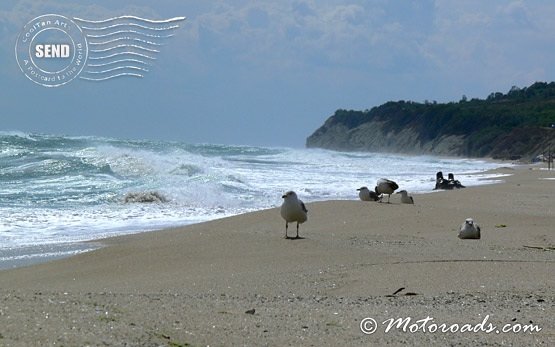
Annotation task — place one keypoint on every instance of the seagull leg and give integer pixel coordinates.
(297, 230)
(388, 197)
(286, 226)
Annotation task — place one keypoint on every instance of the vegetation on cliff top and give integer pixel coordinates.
(503, 125)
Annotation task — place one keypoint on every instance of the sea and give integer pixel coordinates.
(56, 192)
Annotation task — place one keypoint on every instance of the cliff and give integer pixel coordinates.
(506, 126)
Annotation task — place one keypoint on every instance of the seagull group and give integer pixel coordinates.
(294, 210)
(384, 186)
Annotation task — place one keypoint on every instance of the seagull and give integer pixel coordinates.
(469, 230)
(293, 210)
(385, 186)
(367, 195)
(405, 197)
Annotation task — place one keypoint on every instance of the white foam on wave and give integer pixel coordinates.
(45, 226)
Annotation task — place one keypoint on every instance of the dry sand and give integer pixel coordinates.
(193, 285)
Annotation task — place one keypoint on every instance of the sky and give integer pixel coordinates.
(252, 72)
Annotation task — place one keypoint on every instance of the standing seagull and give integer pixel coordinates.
(385, 186)
(367, 195)
(405, 197)
(293, 210)
(469, 230)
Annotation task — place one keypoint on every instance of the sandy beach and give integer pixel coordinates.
(193, 286)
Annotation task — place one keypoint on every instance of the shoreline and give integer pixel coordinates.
(31, 255)
(194, 284)
(196, 179)
(28, 255)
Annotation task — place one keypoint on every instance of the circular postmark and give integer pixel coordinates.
(51, 50)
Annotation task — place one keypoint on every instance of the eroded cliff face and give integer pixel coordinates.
(374, 136)
(519, 124)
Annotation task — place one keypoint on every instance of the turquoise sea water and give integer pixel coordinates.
(57, 189)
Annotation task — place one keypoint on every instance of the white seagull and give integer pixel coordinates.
(385, 186)
(367, 195)
(405, 197)
(293, 210)
(469, 230)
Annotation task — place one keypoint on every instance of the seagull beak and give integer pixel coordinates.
(283, 196)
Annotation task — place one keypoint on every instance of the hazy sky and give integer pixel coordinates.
(270, 72)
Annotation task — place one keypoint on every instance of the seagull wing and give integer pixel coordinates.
(303, 207)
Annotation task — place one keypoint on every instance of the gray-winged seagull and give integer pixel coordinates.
(385, 186)
(293, 210)
(366, 194)
(469, 230)
(405, 197)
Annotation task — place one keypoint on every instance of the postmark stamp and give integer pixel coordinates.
(51, 50)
